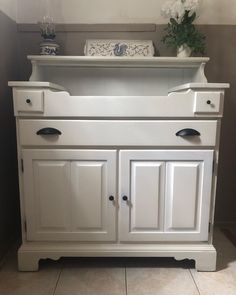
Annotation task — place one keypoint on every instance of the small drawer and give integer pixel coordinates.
(208, 102)
(29, 101)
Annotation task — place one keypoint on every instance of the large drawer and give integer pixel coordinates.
(116, 133)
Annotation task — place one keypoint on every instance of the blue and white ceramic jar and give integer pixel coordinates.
(49, 47)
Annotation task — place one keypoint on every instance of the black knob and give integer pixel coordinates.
(208, 102)
(28, 101)
(125, 198)
(111, 198)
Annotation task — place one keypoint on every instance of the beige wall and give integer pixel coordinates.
(9, 7)
(122, 11)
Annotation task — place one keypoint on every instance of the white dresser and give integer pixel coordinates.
(119, 160)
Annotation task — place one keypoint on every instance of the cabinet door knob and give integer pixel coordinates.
(49, 131)
(209, 101)
(28, 101)
(111, 198)
(188, 132)
(125, 198)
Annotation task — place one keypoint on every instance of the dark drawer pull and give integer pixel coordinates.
(49, 131)
(188, 132)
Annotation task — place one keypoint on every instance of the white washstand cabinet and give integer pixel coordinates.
(117, 157)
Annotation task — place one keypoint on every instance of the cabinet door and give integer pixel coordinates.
(168, 194)
(67, 195)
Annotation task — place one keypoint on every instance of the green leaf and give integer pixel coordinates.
(173, 22)
(192, 17)
(185, 32)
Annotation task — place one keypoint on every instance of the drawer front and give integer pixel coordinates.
(29, 101)
(115, 133)
(208, 102)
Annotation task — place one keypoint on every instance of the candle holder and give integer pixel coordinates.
(48, 33)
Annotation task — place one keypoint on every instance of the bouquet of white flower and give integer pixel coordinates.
(181, 30)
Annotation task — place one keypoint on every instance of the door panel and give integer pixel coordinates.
(88, 193)
(145, 195)
(51, 181)
(183, 190)
(142, 181)
(67, 195)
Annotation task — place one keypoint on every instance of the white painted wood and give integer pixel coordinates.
(184, 184)
(36, 103)
(61, 104)
(47, 194)
(89, 195)
(188, 195)
(67, 195)
(200, 86)
(37, 84)
(146, 195)
(93, 180)
(208, 102)
(108, 81)
(187, 186)
(87, 75)
(30, 253)
(124, 105)
(106, 61)
(117, 133)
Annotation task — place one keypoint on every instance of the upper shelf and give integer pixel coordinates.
(113, 62)
(89, 75)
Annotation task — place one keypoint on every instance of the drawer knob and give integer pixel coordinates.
(125, 198)
(111, 198)
(28, 101)
(209, 102)
(49, 131)
(188, 132)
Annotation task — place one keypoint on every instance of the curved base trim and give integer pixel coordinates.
(29, 254)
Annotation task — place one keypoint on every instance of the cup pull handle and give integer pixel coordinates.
(48, 131)
(188, 132)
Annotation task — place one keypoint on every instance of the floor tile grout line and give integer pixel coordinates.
(195, 283)
(59, 276)
(126, 286)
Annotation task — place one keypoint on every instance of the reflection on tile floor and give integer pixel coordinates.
(122, 276)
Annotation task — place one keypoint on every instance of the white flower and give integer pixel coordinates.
(177, 8)
(190, 5)
(166, 9)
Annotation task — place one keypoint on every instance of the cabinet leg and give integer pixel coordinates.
(206, 262)
(28, 261)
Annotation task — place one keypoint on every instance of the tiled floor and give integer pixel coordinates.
(123, 276)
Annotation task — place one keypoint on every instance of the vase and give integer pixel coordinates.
(49, 47)
(184, 51)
